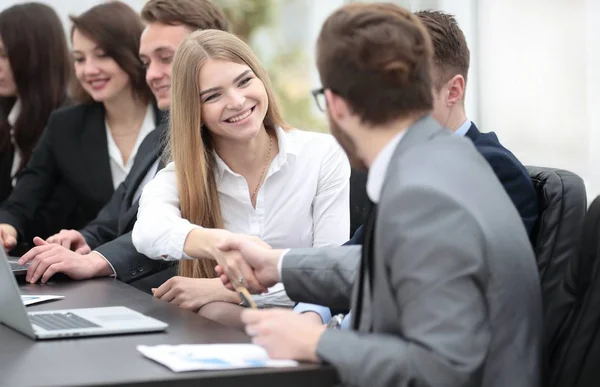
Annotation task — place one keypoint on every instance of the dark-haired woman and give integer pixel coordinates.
(87, 150)
(35, 70)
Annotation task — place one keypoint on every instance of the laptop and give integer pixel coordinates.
(68, 322)
(18, 270)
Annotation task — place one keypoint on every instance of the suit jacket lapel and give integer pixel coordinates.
(140, 167)
(473, 133)
(138, 173)
(95, 152)
(421, 131)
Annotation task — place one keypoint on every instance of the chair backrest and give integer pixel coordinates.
(575, 361)
(555, 238)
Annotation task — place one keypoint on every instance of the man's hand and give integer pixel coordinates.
(48, 259)
(194, 293)
(8, 236)
(256, 263)
(72, 240)
(312, 317)
(284, 333)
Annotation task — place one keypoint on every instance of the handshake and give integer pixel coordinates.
(246, 261)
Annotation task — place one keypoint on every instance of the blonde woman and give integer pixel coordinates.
(236, 167)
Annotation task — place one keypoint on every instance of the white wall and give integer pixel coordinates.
(592, 71)
(535, 78)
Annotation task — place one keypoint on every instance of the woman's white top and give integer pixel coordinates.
(303, 202)
(118, 169)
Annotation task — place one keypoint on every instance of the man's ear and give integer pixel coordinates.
(336, 106)
(456, 89)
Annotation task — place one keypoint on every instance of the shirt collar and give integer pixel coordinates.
(378, 169)
(288, 152)
(463, 129)
(14, 113)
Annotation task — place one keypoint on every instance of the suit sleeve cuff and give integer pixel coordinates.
(114, 274)
(280, 263)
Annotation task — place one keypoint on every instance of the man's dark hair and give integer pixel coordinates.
(377, 57)
(194, 14)
(451, 54)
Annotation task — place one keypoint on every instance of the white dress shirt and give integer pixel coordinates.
(118, 169)
(375, 178)
(379, 167)
(303, 202)
(12, 118)
(463, 129)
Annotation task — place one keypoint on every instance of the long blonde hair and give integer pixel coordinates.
(190, 144)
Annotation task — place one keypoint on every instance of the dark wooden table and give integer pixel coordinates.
(114, 360)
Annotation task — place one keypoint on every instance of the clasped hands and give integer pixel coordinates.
(249, 262)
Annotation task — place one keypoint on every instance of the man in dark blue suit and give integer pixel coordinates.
(450, 79)
(451, 65)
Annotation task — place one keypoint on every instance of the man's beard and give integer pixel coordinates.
(347, 145)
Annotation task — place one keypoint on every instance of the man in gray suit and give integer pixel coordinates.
(445, 290)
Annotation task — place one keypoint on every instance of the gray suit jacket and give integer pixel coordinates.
(455, 298)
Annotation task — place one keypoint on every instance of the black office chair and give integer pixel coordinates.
(576, 357)
(555, 238)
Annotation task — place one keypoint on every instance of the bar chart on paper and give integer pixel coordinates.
(180, 358)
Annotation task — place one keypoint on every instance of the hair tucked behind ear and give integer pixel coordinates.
(190, 144)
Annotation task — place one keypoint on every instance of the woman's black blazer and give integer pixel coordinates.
(68, 178)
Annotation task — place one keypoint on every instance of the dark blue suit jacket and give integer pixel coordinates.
(512, 174)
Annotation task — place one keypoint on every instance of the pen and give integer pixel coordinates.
(243, 292)
(246, 297)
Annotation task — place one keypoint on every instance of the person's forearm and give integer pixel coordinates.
(229, 296)
(202, 242)
(101, 265)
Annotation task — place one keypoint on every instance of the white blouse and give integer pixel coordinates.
(304, 201)
(118, 169)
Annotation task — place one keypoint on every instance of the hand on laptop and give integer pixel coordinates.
(8, 236)
(194, 293)
(256, 264)
(48, 259)
(72, 240)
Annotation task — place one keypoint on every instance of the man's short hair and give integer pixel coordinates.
(194, 14)
(451, 54)
(377, 57)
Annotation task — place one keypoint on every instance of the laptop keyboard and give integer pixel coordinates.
(59, 321)
(16, 266)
